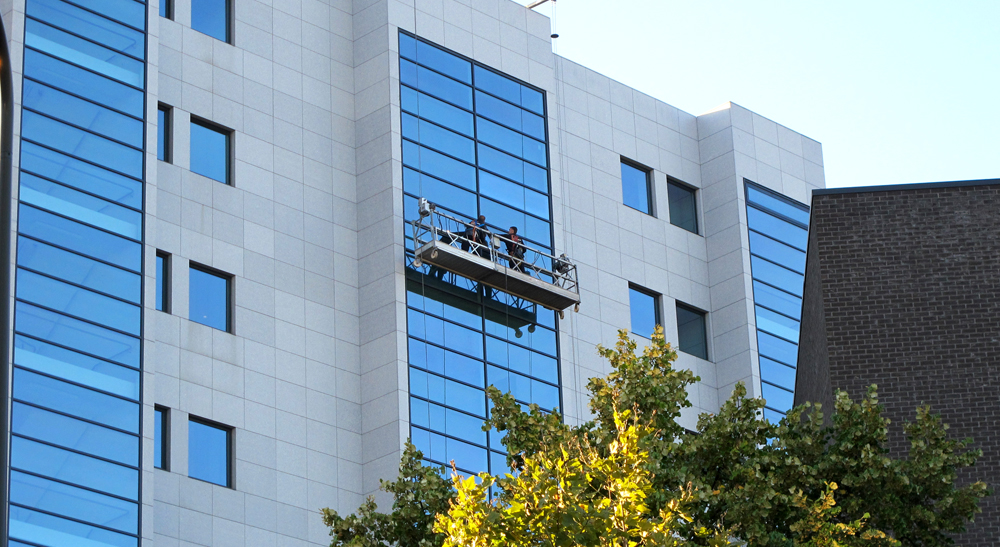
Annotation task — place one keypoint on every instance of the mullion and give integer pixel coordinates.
(443, 434)
(64, 517)
(73, 251)
(82, 98)
(84, 129)
(75, 417)
(77, 384)
(444, 405)
(84, 160)
(77, 285)
(779, 216)
(81, 67)
(91, 40)
(116, 21)
(80, 319)
(82, 191)
(777, 312)
(73, 484)
(132, 240)
(74, 350)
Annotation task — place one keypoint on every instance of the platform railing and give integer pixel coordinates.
(433, 225)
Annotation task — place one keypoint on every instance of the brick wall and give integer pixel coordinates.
(904, 290)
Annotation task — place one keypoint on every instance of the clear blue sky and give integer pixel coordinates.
(898, 91)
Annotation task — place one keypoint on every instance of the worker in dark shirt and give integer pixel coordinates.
(515, 249)
(476, 232)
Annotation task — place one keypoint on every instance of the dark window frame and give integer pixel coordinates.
(167, 13)
(165, 282)
(230, 449)
(649, 186)
(230, 135)
(166, 132)
(657, 306)
(678, 305)
(165, 436)
(673, 182)
(230, 293)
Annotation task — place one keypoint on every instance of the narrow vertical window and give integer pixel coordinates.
(209, 298)
(691, 333)
(167, 9)
(636, 187)
(161, 439)
(683, 206)
(645, 311)
(209, 452)
(163, 120)
(210, 146)
(211, 17)
(163, 281)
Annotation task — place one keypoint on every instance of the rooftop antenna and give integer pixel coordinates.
(537, 3)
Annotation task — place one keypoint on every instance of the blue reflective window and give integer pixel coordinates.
(79, 174)
(167, 9)
(57, 463)
(645, 311)
(43, 529)
(438, 192)
(772, 416)
(440, 112)
(162, 281)
(444, 62)
(444, 391)
(82, 82)
(636, 188)
(82, 113)
(524, 388)
(75, 400)
(209, 299)
(77, 334)
(511, 141)
(73, 502)
(777, 324)
(161, 438)
(89, 25)
(777, 373)
(438, 137)
(439, 165)
(776, 228)
(691, 331)
(75, 434)
(446, 305)
(407, 46)
(121, 10)
(163, 144)
(529, 227)
(777, 398)
(519, 328)
(777, 348)
(83, 53)
(78, 269)
(81, 144)
(777, 252)
(448, 421)
(211, 17)
(468, 458)
(79, 206)
(210, 151)
(683, 206)
(78, 302)
(513, 168)
(514, 194)
(532, 100)
(783, 206)
(502, 87)
(521, 359)
(445, 333)
(501, 111)
(209, 457)
(777, 300)
(778, 276)
(446, 363)
(435, 84)
(76, 367)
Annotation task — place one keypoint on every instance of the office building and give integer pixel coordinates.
(217, 323)
(901, 291)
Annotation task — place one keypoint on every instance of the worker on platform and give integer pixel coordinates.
(515, 250)
(476, 232)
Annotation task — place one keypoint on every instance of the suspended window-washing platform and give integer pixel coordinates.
(476, 253)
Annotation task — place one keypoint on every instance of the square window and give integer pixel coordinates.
(645, 310)
(209, 298)
(209, 452)
(636, 187)
(163, 145)
(167, 9)
(691, 332)
(161, 439)
(683, 206)
(210, 150)
(162, 281)
(211, 17)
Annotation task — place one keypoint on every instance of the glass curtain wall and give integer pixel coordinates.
(474, 143)
(75, 435)
(778, 228)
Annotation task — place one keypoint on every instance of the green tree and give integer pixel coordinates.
(632, 476)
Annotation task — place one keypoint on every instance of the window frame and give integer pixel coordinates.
(165, 419)
(167, 13)
(649, 186)
(165, 282)
(657, 307)
(165, 133)
(230, 293)
(673, 182)
(678, 306)
(229, 18)
(230, 136)
(230, 449)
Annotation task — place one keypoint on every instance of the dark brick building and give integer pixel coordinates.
(903, 290)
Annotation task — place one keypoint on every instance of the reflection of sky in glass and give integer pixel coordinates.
(209, 299)
(645, 315)
(208, 453)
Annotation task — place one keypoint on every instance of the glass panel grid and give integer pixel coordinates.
(778, 237)
(455, 326)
